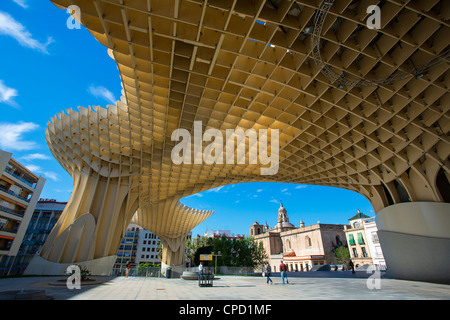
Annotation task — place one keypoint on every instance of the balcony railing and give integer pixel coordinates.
(12, 193)
(20, 178)
(10, 230)
(11, 211)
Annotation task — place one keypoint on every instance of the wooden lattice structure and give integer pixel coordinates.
(249, 64)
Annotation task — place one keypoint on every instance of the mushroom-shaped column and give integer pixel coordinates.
(96, 147)
(171, 221)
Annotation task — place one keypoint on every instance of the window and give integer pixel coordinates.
(364, 252)
(351, 240)
(360, 238)
(288, 244)
(355, 253)
(375, 237)
(3, 223)
(378, 251)
(308, 241)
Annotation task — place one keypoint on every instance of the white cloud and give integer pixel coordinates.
(35, 156)
(7, 93)
(284, 190)
(12, 136)
(259, 190)
(102, 92)
(33, 168)
(63, 190)
(22, 3)
(47, 174)
(10, 27)
(301, 187)
(274, 201)
(51, 175)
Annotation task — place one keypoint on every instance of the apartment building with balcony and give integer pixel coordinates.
(137, 246)
(45, 216)
(127, 249)
(20, 190)
(363, 243)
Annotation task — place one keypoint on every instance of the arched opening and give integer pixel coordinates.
(443, 185)
(308, 241)
(338, 241)
(288, 244)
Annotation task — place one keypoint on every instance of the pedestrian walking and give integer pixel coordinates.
(268, 273)
(128, 268)
(283, 269)
(352, 266)
(200, 271)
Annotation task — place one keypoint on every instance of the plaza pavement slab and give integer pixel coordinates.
(302, 286)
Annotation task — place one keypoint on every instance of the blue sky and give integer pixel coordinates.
(45, 68)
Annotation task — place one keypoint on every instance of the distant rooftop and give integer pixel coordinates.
(359, 215)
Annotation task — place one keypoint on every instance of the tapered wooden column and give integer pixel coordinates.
(94, 220)
(171, 221)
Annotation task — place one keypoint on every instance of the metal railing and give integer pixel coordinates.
(14, 194)
(154, 272)
(20, 178)
(11, 211)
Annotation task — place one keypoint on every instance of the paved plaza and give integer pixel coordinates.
(308, 286)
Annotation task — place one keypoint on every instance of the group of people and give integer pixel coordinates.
(283, 273)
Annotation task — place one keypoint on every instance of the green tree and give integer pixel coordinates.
(244, 252)
(192, 246)
(342, 255)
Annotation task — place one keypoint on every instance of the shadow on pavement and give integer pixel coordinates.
(44, 288)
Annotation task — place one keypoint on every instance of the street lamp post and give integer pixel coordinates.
(219, 254)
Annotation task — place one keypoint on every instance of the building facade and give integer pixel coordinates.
(221, 233)
(44, 218)
(364, 245)
(137, 246)
(301, 248)
(148, 248)
(128, 248)
(19, 193)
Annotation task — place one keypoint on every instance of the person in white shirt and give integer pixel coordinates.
(200, 270)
